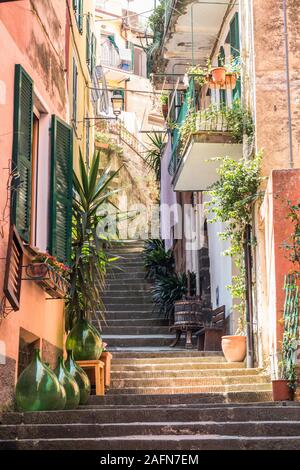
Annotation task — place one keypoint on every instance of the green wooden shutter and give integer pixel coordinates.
(234, 39)
(22, 152)
(80, 16)
(93, 53)
(221, 63)
(88, 41)
(61, 190)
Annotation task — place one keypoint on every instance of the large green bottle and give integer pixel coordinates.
(85, 341)
(80, 376)
(38, 388)
(69, 383)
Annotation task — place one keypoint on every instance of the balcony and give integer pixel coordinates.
(116, 61)
(204, 133)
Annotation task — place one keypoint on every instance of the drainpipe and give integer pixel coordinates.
(249, 301)
(288, 85)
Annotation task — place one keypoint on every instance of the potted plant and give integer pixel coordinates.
(164, 100)
(285, 384)
(50, 274)
(218, 75)
(89, 259)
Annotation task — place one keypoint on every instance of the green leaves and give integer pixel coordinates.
(155, 151)
(157, 261)
(89, 259)
(232, 200)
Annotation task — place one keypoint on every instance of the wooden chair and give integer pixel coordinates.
(95, 370)
(209, 337)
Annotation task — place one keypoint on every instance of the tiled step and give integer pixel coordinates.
(248, 387)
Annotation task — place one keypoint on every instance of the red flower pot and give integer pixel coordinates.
(230, 81)
(281, 390)
(218, 75)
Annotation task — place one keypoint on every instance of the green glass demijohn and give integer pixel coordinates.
(69, 383)
(80, 376)
(85, 341)
(38, 388)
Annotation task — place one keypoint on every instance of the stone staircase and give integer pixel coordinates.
(160, 398)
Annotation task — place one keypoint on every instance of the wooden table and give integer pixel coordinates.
(97, 368)
(106, 357)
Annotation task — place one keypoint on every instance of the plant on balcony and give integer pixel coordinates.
(232, 200)
(155, 151)
(89, 259)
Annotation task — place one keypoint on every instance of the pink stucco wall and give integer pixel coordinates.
(32, 33)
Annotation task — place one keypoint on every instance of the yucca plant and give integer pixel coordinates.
(165, 292)
(155, 151)
(89, 259)
(157, 261)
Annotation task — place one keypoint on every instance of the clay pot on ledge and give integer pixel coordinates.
(218, 75)
(230, 81)
(281, 390)
(234, 348)
(165, 110)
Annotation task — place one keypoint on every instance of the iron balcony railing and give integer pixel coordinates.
(111, 58)
(216, 117)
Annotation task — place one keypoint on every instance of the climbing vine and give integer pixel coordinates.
(231, 202)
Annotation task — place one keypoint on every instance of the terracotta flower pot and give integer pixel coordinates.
(165, 110)
(281, 390)
(234, 348)
(230, 81)
(218, 75)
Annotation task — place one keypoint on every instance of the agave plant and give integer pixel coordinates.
(89, 259)
(157, 261)
(165, 292)
(154, 153)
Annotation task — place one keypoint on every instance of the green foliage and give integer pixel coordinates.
(291, 332)
(164, 98)
(166, 290)
(292, 246)
(89, 259)
(154, 153)
(235, 120)
(157, 261)
(156, 20)
(232, 199)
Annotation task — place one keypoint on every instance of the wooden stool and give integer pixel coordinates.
(98, 368)
(106, 357)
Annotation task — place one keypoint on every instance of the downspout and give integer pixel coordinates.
(249, 300)
(288, 85)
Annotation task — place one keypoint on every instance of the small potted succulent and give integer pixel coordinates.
(164, 100)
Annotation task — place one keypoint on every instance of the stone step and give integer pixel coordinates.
(120, 374)
(138, 322)
(169, 355)
(134, 413)
(248, 387)
(170, 366)
(186, 401)
(117, 284)
(125, 276)
(137, 340)
(135, 330)
(125, 249)
(122, 263)
(97, 430)
(114, 314)
(136, 255)
(129, 307)
(129, 294)
(127, 268)
(186, 382)
(138, 299)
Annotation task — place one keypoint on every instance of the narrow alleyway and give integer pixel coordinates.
(160, 398)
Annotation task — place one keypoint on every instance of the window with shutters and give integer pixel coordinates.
(234, 39)
(88, 41)
(78, 10)
(87, 141)
(75, 93)
(22, 153)
(61, 190)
